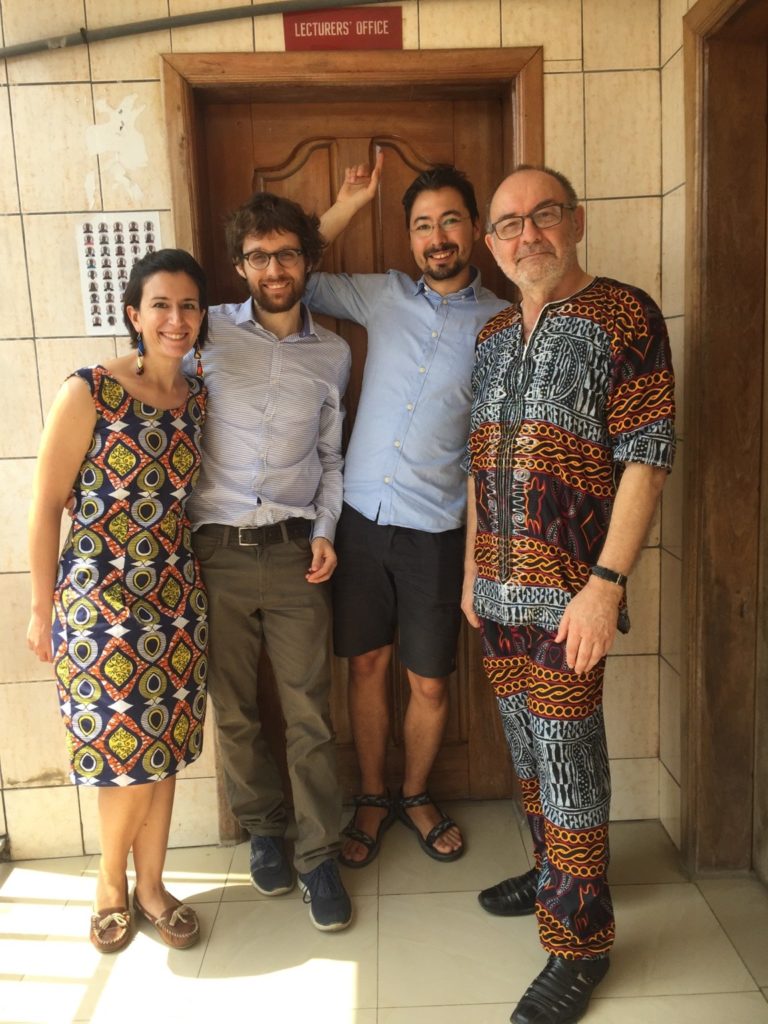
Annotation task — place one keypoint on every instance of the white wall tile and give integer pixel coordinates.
(623, 127)
(9, 194)
(130, 141)
(643, 597)
(669, 719)
(635, 788)
(57, 358)
(45, 234)
(671, 639)
(621, 35)
(195, 819)
(672, 124)
(131, 57)
(15, 492)
(564, 126)
(631, 703)
(212, 37)
(43, 822)
(26, 22)
(17, 663)
(623, 242)
(672, 12)
(553, 24)
(32, 736)
(20, 419)
(673, 253)
(471, 23)
(49, 130)
(15, 317)
(673, 508)
(670, 806)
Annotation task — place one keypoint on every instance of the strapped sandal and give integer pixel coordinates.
(372, 844)
(561, 993)
(427, 843)
(514, 897)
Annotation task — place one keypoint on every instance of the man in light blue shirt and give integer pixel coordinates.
(400, 536)
(264, 517)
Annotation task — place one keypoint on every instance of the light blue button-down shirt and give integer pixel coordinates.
(271, 445)
(403, 462)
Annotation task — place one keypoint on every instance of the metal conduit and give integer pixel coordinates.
(96, 35)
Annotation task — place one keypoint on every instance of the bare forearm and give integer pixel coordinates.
(633, 509)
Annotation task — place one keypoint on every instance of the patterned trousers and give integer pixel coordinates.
(553, 723)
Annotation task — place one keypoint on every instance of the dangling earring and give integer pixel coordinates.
(198, 358)
(139, 355)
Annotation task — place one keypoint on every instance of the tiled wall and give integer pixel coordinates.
(613, 111)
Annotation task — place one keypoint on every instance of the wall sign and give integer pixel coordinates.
(351, 28)
(108, 244)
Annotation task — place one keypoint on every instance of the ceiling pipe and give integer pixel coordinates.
(98, 35)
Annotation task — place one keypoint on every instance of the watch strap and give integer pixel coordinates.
(608, 574)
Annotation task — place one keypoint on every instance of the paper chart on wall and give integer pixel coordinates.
(108, 244)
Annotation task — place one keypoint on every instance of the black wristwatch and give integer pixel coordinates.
(608, 574)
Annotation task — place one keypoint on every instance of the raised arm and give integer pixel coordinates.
(65, 441)
(357, 189)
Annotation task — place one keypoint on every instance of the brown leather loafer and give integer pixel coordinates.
(111, 929)
(178, 926)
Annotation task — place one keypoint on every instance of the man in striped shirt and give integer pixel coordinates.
(264, 514)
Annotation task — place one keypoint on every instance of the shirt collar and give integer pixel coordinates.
(244, 315)
(470, 291)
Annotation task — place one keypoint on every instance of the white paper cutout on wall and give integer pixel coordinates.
(119, 143)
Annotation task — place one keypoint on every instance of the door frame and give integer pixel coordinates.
(725, 649)
(515, 74)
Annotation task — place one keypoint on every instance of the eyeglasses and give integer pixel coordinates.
(512, 225)
(258, 259)
(446, 224)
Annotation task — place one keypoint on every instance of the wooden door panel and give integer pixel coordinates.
(300, 151)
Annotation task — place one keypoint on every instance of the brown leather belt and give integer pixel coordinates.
(258, 536)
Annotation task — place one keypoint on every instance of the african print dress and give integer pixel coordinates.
(131, 632)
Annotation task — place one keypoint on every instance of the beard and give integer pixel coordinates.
(272, 303)
(548, 268)
(444, 271)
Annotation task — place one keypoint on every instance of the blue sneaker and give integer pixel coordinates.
(330, 908)
(271, 873)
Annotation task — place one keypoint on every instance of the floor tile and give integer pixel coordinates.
(494, 851)
(46, 881)
(441, 949)
(669, 943)
(490, 1013)
(641, 851)
(285, 964)
(741, 907)
(722, 1008)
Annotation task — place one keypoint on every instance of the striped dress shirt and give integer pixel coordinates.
(272, 438)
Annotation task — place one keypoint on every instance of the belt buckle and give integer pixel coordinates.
(248, 543)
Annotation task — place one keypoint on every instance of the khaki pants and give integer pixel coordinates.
(260, 595)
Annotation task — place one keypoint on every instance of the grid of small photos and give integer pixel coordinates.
(108, 245)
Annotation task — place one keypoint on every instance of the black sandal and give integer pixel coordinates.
(427, 843)
(561, 993)
(371, 843)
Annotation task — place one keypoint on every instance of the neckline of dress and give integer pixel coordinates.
(158, 408)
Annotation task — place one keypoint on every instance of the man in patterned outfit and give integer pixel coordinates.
(571, 440)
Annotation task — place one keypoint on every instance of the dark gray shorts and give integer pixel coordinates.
(392, 580)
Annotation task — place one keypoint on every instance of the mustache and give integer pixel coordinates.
(535, 249)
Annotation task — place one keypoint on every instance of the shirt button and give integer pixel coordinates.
(444, 302)
(434, 334)
(387, 479)
(409, 407)
(397, 444)
(422, 369)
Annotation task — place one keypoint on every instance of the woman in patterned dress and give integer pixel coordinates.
(123, 612)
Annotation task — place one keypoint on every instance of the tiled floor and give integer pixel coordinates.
(420, 950)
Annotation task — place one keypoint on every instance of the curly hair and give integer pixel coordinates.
(265, 213)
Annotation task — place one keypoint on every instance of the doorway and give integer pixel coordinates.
(725, 558)
(290, 123)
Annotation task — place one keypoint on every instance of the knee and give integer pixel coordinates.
(428, 691)
(372, 664)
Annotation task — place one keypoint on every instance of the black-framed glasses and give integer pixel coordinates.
(511, 226)
(447, 224)
(259, 259)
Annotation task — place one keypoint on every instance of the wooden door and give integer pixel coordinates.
(300, 150)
